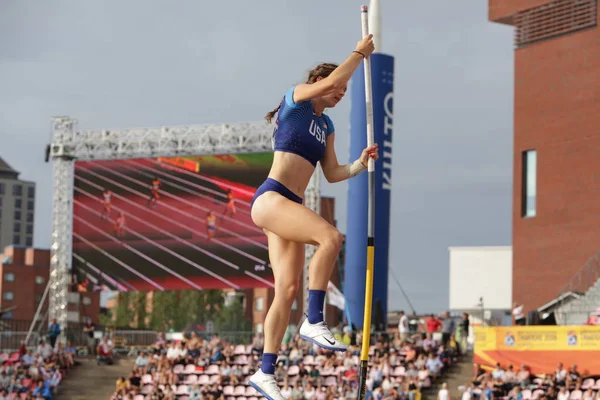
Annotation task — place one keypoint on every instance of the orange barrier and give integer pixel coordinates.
(541, 348)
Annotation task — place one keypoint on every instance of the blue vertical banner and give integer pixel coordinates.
(382, 70)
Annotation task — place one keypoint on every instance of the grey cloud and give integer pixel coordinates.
(126, 64)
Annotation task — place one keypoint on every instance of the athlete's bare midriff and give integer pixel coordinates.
(292, 171)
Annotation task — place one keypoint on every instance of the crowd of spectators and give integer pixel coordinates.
(36, 374)
(520, 384)
(196, 368)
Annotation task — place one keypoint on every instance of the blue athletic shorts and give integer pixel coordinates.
(271, 185)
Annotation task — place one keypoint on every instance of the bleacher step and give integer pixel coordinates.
(90, 381)
(459, 374)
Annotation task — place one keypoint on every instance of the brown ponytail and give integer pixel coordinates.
(271, 114)
(320, 71)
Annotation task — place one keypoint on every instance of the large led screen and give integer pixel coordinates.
(171, 223)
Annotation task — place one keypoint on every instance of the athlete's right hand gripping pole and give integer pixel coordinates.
(366, 336)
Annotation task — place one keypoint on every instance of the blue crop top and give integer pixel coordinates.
(300, 131)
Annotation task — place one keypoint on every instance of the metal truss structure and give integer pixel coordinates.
(70, 145)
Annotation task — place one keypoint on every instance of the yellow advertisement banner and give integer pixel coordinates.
(485, 338)
(571, 338)
(540, 347)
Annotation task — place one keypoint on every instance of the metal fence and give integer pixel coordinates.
(14, 332)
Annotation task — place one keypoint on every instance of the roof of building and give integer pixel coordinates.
(6, 171)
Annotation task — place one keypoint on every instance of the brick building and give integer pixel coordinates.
(24, 274)
(556, 206)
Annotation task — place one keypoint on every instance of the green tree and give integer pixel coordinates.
(106, 319)
(214, 301)
(164, 310)
(231, 318)
(140, 309)
(124, 312)
(189, 308)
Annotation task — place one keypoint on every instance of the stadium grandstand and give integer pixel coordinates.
(194, 368)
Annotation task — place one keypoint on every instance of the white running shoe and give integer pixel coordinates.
(266, 385)
(320, 335)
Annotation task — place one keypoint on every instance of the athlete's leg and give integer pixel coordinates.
(287, 260)
(295, 222)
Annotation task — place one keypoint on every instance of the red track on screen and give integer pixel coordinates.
(170, 224)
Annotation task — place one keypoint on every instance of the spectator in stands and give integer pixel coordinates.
(43, 389)
(589, 394)
(53, 332)
(560, 375)
(444, 394)
(4, 379)
(498, 372)
(142, 360)
(193, 345)
(28, 358)
(510, 377)
(523, 376)
(105, 351)
(516, 394)
(518, 316)
(403, 326)
(433, 324)
(563, 394)
(448, 328)
(573, 377)
(428, 342)
(44, 349)
(410, 353)
(434, 365)
(89, 328)
(160, 339)
(122, 384)
(465, 325)
(258, 344)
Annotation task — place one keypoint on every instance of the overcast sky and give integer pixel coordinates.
(120, 64)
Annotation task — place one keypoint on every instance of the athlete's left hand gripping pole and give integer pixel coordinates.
(366, 336)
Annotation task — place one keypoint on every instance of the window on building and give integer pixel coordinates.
(30, 205)
(260, 303)
(17, 190)
(30, 218)
(17, 227)
(17, 215)
(31, 192)
(29, 241)
(8, 296)
(259, 328)
(40, 280)
(9, 277)
(17, 240)
(1, 188)
(18, 203)
(529, 183)
(29, 229)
